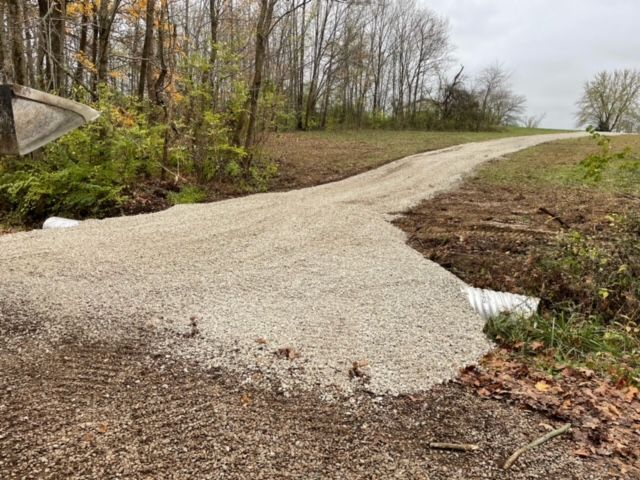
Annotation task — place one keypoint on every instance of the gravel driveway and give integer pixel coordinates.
(294, 287)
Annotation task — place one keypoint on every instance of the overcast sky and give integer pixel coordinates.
(550, 46)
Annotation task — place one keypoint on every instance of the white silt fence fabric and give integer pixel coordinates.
(489, 304)
(54, 223)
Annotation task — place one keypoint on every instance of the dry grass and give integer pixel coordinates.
(312, 158)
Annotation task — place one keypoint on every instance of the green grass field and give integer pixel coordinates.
(558, 163)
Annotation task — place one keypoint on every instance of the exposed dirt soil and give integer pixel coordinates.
(307, 161)
(121, 411)
(486, 234)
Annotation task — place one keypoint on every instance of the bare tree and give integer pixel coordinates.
(533, 121)
(499, 105)
(611, 101)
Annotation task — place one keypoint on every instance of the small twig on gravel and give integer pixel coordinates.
(461, 447)
(511, 460)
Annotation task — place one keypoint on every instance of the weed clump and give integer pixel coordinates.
(590, 309)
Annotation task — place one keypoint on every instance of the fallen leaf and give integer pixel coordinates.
(583, 452)
(632, 393)
(103, 428)
(543, 386)
(537, 346)
(288, 353)
(484, 392)
(358, 369)
(246, 400)
(587, 372)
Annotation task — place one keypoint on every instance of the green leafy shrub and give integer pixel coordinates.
(85, 172)
(30, 196)
(597, 275)
(189, 194)
(595, 164)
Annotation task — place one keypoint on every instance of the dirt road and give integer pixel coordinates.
(311, 292)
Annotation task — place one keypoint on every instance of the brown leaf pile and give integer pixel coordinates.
(605, 416)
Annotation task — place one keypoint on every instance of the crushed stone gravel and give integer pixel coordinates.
(296, 286)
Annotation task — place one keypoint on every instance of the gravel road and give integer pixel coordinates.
(294, 287)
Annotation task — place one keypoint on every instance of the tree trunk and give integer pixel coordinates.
(82, 47)
(28, 47)
(17, 41)
(147, 50)
(214, 19)
(262, 37)
(318, 51)
(105, 19)
(58, 36)
(300, 53)
(4, 53)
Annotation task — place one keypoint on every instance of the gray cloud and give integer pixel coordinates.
(551, 46)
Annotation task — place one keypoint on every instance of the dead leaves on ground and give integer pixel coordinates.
(288, 353)
(360, 370)
(606, 416)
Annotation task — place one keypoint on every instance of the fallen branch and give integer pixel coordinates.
(511, 460)
(555, 217)
(461, 447)
(515, 227)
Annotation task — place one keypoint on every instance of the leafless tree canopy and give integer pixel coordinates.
(499, 104)
(611, 102)
(300, 63)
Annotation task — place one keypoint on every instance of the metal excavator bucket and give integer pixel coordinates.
(29, 119)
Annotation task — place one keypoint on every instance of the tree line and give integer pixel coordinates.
(262, 63)
(188, 89)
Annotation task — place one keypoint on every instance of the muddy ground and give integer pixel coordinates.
(123, 411)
